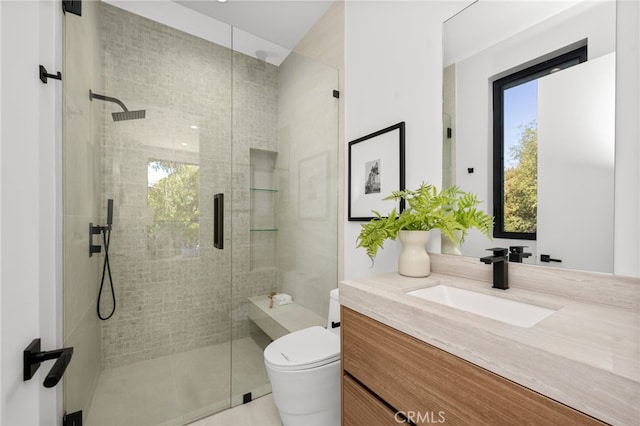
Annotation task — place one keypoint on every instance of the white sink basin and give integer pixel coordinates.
(498, 308)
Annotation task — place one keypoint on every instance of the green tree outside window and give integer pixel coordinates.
(174, 197)
(521, 183)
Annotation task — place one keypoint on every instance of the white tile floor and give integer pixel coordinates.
(259, 412)
(177, 389)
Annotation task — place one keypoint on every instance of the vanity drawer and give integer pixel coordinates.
(363, 407)
(415, 377)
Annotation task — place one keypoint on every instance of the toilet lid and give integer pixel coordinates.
(303, 349)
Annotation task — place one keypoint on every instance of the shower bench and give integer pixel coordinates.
(281, 320)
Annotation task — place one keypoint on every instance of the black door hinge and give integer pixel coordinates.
(336, 94)
(72, 6)
(72, 419)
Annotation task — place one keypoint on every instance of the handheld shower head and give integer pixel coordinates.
(109, 212)
(119, 116)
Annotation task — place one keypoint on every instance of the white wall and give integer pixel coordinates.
(393, 73)
(29, 206)
(627, 190)
(576, 150)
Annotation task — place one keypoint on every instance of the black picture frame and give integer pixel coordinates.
(376, 168)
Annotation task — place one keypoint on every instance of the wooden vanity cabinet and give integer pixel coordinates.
(387, 374)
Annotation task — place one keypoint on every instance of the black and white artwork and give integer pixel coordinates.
(376, 169)
(372, 177)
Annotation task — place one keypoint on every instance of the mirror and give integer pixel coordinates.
(514, 36)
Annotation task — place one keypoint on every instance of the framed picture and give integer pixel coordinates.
(376, 168)
(313, 187)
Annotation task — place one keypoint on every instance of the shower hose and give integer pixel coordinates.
(106, 270)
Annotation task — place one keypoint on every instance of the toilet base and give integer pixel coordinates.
(307, 397)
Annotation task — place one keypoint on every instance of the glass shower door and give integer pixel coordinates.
(285, 169)
(164, 356)
(191, 316)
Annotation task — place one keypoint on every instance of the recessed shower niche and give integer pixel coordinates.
(263, 218)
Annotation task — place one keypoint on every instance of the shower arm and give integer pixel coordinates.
(107, 98)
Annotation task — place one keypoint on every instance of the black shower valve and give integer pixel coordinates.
(93, 248)
(96, 230)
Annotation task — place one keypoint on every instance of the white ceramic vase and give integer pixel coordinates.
(414, 260)
(451, 247)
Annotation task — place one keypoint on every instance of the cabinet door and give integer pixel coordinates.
(417, 378)
(363, 408)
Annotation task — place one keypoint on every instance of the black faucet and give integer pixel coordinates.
(500, 261)
(516, 254)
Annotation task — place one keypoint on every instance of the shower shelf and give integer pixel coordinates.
(263, 190)
(263, 209)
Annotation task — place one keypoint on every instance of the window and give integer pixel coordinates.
(515, 153)
(173, 196)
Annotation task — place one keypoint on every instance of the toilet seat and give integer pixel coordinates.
(303, 349)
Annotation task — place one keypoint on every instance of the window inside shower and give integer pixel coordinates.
(173, 195)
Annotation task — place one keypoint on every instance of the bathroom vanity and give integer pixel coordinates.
(421, 382)
(406, 357)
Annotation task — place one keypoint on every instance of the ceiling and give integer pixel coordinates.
(486, 22)
(265, 29)
(281, 22)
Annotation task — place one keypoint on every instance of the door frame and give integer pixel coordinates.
(30, 205)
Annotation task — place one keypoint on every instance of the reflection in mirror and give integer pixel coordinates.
(515, 144)
(574, 129)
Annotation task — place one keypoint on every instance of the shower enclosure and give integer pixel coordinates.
(191, 317)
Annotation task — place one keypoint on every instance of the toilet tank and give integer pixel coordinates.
(334, 310)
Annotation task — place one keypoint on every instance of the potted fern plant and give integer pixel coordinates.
(464, 210)
(451, 210)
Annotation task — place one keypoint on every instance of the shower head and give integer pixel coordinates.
(119, 116)
(128, 115)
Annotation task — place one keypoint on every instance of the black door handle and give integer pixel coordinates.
(218, 221)
(547, 258)
(33, 356)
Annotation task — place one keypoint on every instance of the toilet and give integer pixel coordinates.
(304, 370)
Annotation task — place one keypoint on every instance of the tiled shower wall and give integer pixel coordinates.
(255, 103)
(169, 304)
